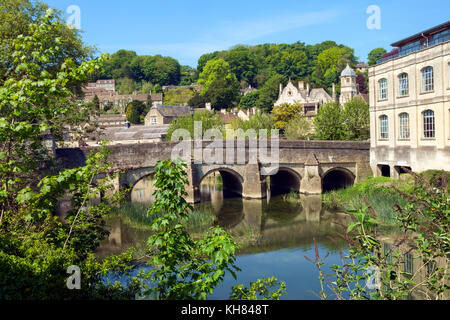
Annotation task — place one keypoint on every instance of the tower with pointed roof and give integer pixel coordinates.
(348, 85)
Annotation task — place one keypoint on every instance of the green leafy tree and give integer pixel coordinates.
(187, 75)
(375, 55)
(259, 121)
(197, 101)
(135, 111)
(269, 92)
(329, 124)
(217, 69)
(184, 268)
(357, 118)
(37, 247)
(299, 128)
(149, 102)
(331, 62)
(208, 119)
(259, 289)
(15, 17)
(242, 63)
(285, 113)
(221, 94)
(250, 100)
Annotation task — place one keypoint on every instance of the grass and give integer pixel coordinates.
(135, 215)
(378, 193)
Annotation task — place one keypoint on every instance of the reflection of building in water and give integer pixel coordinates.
(411, 266)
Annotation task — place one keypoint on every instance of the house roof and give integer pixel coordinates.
(429, 32)
(172, 111)
(348, 71)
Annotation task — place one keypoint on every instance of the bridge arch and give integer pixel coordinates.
(232, 181)
(285, 181)
(337, 178)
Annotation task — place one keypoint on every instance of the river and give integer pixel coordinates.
(275, 234)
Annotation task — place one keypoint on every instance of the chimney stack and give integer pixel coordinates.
(308, 87)
(301, 85)
(334, 92)
(281, 88)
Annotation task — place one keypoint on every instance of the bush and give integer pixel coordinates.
(298, 128)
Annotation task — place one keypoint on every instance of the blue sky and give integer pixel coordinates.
(185, 30)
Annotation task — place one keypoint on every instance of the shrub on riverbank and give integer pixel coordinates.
(377, 191)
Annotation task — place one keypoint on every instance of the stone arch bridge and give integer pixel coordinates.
(309, 167)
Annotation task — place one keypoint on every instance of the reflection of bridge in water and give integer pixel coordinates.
(308, 167)
(277, 223)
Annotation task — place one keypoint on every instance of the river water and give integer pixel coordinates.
(277, 234)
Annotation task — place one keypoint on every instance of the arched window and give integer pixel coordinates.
(427, 79)
(403, 84)
(383, 89)
(404, 125)
(428, 124)
(384, 127)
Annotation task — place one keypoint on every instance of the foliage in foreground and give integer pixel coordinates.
(183, 268)
(413, 265)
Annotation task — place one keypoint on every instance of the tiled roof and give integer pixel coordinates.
(172, 111)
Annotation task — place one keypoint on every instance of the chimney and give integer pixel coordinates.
(334, 92)
(308, 87)
(281, 88)
(301, 85)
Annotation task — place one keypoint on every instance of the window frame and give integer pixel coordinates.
(427, 79)
(384, 124)
(404, 126)
(429, 124)
(383, 91)
(402, 91)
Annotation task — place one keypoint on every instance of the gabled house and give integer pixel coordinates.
(161, 114)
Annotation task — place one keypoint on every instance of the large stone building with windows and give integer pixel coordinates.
(410, 105)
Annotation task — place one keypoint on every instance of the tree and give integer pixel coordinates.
(221, 94)
(149, 102)
(96, 102)
(285, 113)
(329, 122)
(15, 17)
(187, 75)
(249, 100)
(135, 109)
(197, 101)
(331, 62)
(362, 81)
(217, 69)
(208, 119)
(269, 92)
(36, 247)
(375, 55)
(357, 118)
(299, 128)
(242, 63)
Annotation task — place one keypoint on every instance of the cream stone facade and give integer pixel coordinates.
(410, 109)
(311, 99)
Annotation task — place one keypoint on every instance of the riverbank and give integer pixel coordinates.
(379, 194)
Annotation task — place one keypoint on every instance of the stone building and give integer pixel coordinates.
(410, 105)
(349, 88)
(161, 114)
(311, 99)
